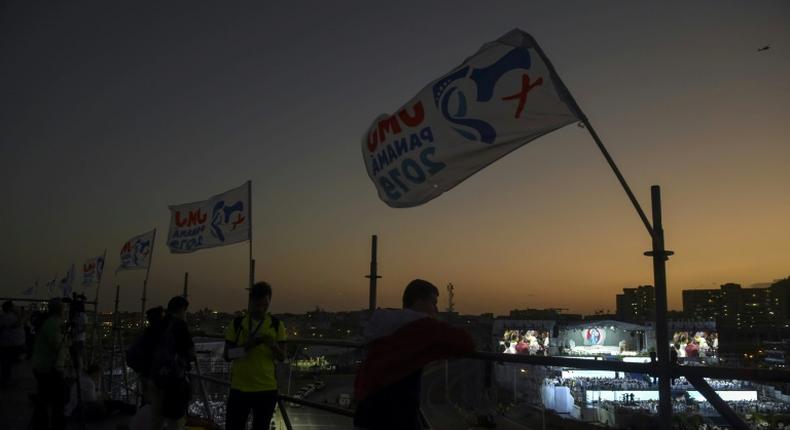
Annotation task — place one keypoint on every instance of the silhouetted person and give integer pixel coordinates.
(140, 354)
(78, 321)
(401, 343)
(253, 343)
(12, 340)
(49, 354)
(171, 360)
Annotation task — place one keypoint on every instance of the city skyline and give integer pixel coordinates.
(107, 122)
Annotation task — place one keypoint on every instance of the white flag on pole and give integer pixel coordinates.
(67, 282)
(51, 286)
(31, 290)
(221, 220)
(497, 100)
(92, 270)
(136, 252)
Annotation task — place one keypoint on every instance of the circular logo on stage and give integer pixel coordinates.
(594, 336)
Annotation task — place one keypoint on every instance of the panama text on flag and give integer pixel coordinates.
(221, 220)
(497, 100)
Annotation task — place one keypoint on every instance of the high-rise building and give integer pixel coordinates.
(636, 305)
(748, 310)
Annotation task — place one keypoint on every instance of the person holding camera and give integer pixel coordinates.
(252, 343)
(78, 321)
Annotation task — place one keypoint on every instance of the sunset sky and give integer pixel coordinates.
(112, 111)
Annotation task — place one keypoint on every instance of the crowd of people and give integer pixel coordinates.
(716, 384)
(695, 344)
(528, 342)
(592, 383)
(400, 342)
(68, 386)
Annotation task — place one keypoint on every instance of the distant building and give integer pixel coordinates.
(636, 305)
(756, 313)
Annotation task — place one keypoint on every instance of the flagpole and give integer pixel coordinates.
(659, 255)
(96, 303)
(145, 282)
(252, 262)
(569, 97)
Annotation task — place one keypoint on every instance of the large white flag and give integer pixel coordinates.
(497, 100)
(92, 270)
(136, 252)
(221, 220)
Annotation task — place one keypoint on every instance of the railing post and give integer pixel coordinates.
(284, 414)
(203, 392)
(660, 257)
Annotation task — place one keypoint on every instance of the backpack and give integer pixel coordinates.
(166, 363)
(37, 320)
(137, 356)
(237, 329)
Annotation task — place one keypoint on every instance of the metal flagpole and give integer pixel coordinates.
(145, 282)
(249, 214)
(252, 262)
(569, 98)
(659, 254)
(96, 305)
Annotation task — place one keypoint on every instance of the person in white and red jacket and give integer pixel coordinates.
(401, 343)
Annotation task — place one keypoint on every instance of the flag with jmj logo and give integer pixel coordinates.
(497, 100)
(136, 252)
(220, 220)
(92, 270)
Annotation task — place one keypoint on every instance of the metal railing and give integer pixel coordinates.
(694, 374)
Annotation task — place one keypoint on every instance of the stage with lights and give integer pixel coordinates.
(603, 338)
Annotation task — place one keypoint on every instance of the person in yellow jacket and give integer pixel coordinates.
(252, 344)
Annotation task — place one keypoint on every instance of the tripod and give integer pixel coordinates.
(41, 401)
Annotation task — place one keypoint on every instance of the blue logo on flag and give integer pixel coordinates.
(454, 103)
(222, 215)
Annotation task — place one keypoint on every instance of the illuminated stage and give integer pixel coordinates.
(603, 338)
